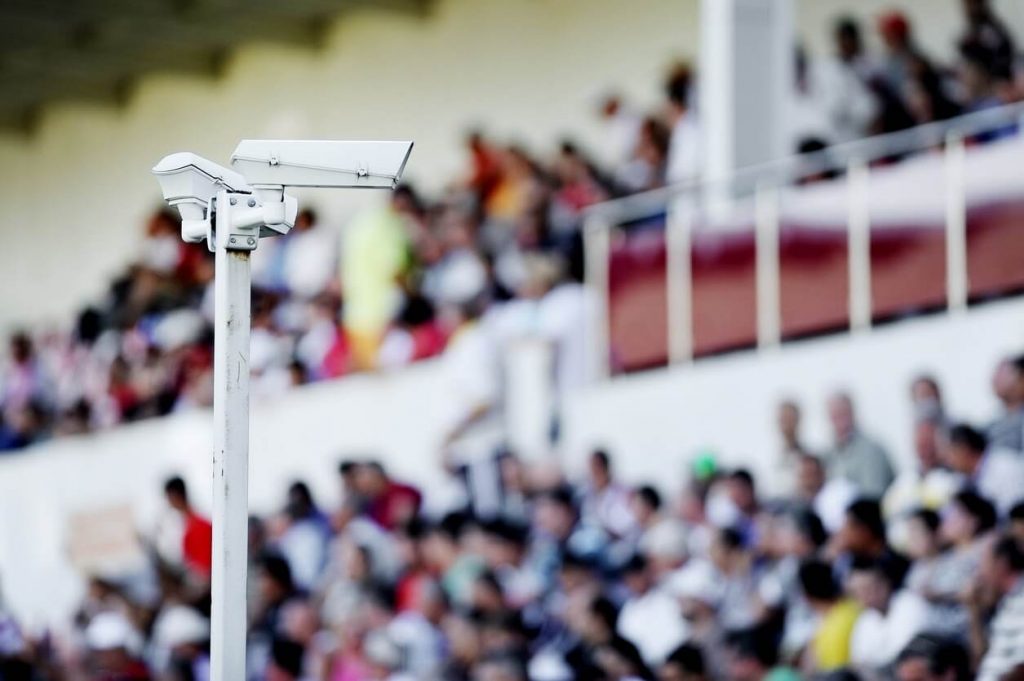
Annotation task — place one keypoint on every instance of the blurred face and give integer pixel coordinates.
(743, 668)
(642, 511)
(789, 421)
(598, 472)
(1002, 381)
(957, 524)
(810, 477)
(637, 581)
(791, 541)
(975, 10)
(848, 45)
(553, 518)
(840, 413)
(913, 669)
(921, 542)
(854, 537)
(960, 458)
(924, 391)
(368, 481)
(463, 638)
(869, 589)
(742, 495)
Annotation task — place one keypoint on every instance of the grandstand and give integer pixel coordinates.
(611, 388)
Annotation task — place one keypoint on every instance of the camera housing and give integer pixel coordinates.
(262, 171)
(189, 182)
(321, 163)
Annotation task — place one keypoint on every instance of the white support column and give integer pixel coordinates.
(745, 86)
(859, 245)
(230, 452)
(957, 285)
(596, 253)
(679, 279)
(769, 301)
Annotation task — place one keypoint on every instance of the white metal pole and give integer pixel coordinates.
(768, 293)
(679, 278)
(230, 452)
(596, 250)
(859, 246)
(957, 286)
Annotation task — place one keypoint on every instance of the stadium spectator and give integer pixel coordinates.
(994, 473)
(685, 151)
(650, 616)
(942, 579)
(622, 125)
(929, 657)
(375, 249)
(925, 484)
(890, 616)
(840, 85)
(1007, 431)
(986, 37)
(388, 503)
(784, 467)
(856, 457)
(303, 536)
(1000, 584)
(901, 53)
(605, 501)
(830, 646)
(196, 531)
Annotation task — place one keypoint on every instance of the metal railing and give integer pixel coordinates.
(765, 182)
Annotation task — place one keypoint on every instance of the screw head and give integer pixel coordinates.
(251, 241)
(233, 200)
(252, 203)
(232, 240)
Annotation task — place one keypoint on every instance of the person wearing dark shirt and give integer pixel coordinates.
(986, 37)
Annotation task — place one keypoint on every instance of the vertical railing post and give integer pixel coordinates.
(596, 252)
(859, 245)
(957, 285)
(679, 278)
(768, 290)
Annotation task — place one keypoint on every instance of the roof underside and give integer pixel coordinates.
(96, 50)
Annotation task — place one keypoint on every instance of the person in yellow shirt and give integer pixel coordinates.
(375, 255)
(830, 646)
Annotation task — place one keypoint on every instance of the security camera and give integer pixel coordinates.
(264, 169)
(189, 182)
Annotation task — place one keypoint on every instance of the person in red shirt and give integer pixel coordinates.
(197, 538)
(389, 503)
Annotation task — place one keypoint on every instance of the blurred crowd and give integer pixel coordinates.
(500, 247)
(834, 567)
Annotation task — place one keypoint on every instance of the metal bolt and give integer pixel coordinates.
(252, 203)
(251, 241)
(233, 200)
(232, 240)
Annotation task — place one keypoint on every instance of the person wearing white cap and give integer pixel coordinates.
(114, 645)
(180, 641)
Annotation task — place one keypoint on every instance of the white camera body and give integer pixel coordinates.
(263, 169)
(189, 182)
